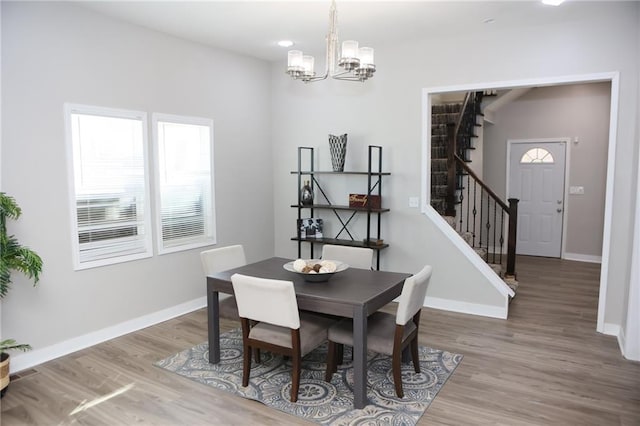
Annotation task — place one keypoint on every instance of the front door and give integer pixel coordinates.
(536, 178)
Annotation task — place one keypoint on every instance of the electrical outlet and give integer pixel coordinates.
(414, 202)
(576, 190)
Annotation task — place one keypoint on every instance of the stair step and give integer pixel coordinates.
(451, 220)
(513, 285)
(446, 108)
(482, 252)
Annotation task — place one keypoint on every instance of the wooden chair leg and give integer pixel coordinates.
(256, 355)
(331, 361)
(295, 378)
(340, 355)
(246, 365)
(397, 372)
(414, 354)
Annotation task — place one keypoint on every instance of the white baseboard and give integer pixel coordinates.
(611, 329)
(622, 342)
(618, 332)
(582, 257)
(38, 356)
(467, 308)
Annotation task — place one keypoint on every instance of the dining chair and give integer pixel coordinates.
(277, 325)
(220, 259)
(387, 333)
(355, 257)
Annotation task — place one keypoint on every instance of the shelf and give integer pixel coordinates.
(315, 172)
(337, 207)
(334, 241)
(373, 215)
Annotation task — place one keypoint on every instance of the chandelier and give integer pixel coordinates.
(354, 63)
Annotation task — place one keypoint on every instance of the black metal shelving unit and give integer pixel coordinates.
(374, 187)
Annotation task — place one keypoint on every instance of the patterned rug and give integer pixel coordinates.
(319, 401)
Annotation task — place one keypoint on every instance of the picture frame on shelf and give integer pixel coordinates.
(310, 227)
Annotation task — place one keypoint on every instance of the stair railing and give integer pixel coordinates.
(483, 227)
(483, 214)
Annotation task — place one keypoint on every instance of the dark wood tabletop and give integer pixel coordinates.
(338, 296)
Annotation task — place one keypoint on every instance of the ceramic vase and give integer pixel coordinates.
(338, 150)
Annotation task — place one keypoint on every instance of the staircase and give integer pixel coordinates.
(460, 196)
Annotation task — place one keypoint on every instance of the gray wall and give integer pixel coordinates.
(54, 53)
(387, 111)
(576, 111)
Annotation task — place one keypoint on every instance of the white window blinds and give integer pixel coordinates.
(184, 182)
(109, 185)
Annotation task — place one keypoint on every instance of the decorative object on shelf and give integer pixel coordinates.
(356, 63)
(338, 150)
(373, 242)
(306, 194)
(310, 228)
(360, 200)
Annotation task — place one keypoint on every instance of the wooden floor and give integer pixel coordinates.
(546, 364)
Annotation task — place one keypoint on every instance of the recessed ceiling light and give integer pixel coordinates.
(285, 43)
(553, 2)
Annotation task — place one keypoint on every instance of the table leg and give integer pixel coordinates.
(213, 319)
(359, 357)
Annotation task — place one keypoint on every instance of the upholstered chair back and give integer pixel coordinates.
(355, 257)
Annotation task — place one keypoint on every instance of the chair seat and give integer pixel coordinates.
(228, 308)
(313, 331)
(380, 331)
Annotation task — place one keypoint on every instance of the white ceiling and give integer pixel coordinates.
(254, 27)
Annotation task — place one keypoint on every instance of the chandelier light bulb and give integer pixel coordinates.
(308, 65)
(349, 49)
(365, 54)
(294, 60)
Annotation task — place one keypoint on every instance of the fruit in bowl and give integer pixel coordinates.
(314, 266)
(315, 270)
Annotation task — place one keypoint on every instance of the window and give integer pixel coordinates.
(108, 185)
(183, 148)
(536, 155)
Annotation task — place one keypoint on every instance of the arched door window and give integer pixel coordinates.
(536, 155)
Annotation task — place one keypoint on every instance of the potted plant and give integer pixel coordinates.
(13, 257)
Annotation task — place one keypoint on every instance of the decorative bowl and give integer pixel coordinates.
(318, 276)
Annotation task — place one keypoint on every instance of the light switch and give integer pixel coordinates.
(414, 202)
(576, 190)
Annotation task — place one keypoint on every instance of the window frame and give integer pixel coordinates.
(69, 110)
(205, 240)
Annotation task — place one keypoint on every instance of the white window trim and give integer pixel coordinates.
(69, 109)
(155, 117)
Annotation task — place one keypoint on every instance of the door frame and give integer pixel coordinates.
(612, 77)
(565, 188)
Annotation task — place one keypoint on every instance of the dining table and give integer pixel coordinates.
(352, 293)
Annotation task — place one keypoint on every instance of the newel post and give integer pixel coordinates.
(512, 237)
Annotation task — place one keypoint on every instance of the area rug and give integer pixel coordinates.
(319, 401)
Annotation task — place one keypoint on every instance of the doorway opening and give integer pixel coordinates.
(430, 94)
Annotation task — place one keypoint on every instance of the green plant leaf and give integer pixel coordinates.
(13, 256)
(11, 344)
